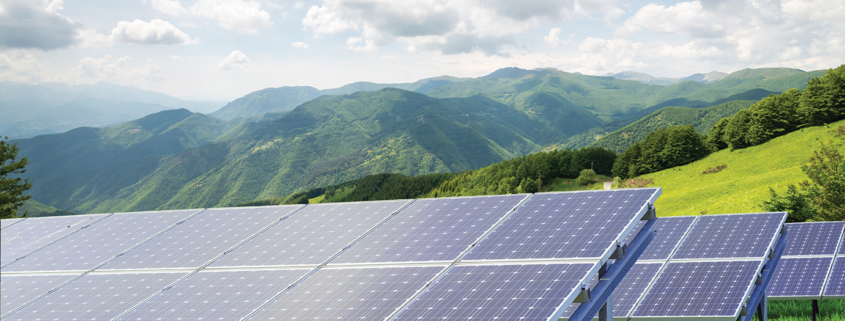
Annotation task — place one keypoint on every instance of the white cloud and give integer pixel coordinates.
(235, 60)
(554, 37)
(243, 17)
(176, 58)
(21, 66)
(299, 45)
(35, 24)
(155, 32)
(169, 7)
(108, 68)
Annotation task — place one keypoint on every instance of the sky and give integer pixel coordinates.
(224, 49)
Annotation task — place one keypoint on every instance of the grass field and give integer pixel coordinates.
(829, 310)
(744, 184)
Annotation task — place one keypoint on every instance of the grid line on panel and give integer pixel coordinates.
(799, 277)
(813, 238)
(199, 239)
(11, 253)
(95, 245)
(312, 236)
(727, 236)
(835, 285)
(16, 296)
(565, 225)
(9, 222)
(439, 229)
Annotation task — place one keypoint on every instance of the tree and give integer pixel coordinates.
(587, 177)
(826, 187)
(823, 101)
(12, 189)
(793, 202)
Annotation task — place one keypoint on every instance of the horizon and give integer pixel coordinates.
(224, 49)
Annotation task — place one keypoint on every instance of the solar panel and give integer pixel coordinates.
(217, 295)
(18, 290)
(836, 282)
(687, 289)
(670, 232)
(346, 294)
(629, 290)
(799, 277)
(431, 230)
(816, 238)
(9, 222)
(96, 297)
(33, 233)
(731, 236)
(201, 238)
(566, 225)
(311, 235)
(842, 245)
(100, 242)
(508, 292)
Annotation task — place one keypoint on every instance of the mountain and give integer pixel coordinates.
(666, 81)
(282, 99)
(48, 108)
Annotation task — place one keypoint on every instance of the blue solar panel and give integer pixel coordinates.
(731, 236)
(566, 225)
(311, 235)
(629, 290)
(842, 245)
(94, 245)
(201, 238)
(33, 233)
(799, 277)
(349, 294)
(670, 232)
(699, 289)
(816, 238)
(9, 222)
(217, 295)
(96, 297)
(504, 292)
(836, 282)
(431, 230)
(17, 290)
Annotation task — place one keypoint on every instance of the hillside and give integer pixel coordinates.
(744, 184)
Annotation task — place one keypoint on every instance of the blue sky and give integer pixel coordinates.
(223, 49)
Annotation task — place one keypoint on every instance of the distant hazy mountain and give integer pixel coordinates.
(287, 98)
(30, 110)
(665, 81)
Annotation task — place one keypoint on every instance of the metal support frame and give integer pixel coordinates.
(758, 295)
(815, 310)
(601, 293)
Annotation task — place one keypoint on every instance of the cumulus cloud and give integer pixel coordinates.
(451, 27)
(21, 66)
(155, 32)
(35, 24)
(235, 60)
(299, 45)
(108, 68)
(554, 37)
(241, 16)
(176, 58)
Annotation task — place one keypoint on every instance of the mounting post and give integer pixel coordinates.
(815, 310)
(606, 311)
(763, 308)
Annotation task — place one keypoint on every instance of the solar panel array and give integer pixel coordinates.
(808, 270)
(367, 260)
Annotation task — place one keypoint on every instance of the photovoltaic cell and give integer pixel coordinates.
(731, 236)
(96, 244)
(799, 277)
(670, 232)
(836, 282)
(311, 235)
(815, 238)
(18, 290)
(31, 234)
(201, 238)
(349, 294)
(699, 289)
(96, 297)
(504, 292)
(842, 246)
(431, 230)
(8, 222)
(565, 225)
(216, 295)
(629, 290)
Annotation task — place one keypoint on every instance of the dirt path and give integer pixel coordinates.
(607, 185)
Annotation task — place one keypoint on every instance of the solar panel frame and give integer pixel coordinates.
(671, 232)
(15, 297)
(200, 239)
(36, 233)
(689, 248)
(104, 301)
(786, 286)
(813, 238)
(308, 215)
(97, 244)
(835, 285)
(9, 222)
(625, 297)
(433, 221)
(237, 294)
(513, 222)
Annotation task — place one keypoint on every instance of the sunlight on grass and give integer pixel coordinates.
(829, 310)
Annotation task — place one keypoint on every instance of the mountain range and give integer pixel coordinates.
(180, 159)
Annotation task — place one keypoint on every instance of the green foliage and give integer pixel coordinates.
(793, 202)
(824, 98)
(587, 177)
(802, 310)
(826, 188)
(661, 149)
(12, 188)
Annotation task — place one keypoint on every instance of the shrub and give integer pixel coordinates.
(587, 177)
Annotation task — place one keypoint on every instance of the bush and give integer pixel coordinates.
(587, 177)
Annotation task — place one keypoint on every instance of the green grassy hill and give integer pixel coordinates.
(744, 184)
